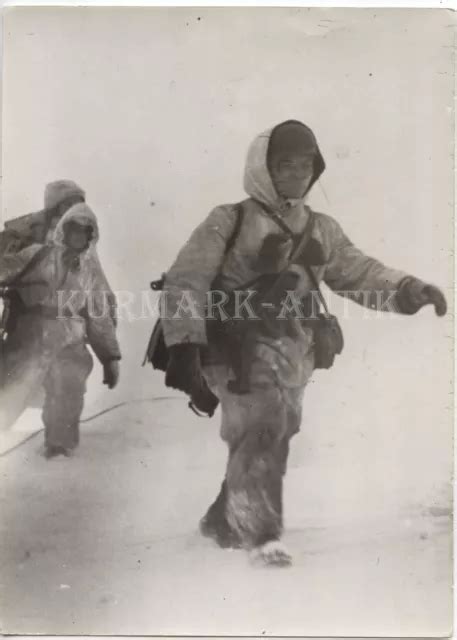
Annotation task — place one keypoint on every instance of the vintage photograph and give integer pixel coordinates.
(226, 335)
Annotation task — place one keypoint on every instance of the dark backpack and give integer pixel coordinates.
(12, 302)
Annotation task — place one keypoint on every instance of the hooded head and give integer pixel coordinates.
(282, 164)
(57, 192)
(78, 216)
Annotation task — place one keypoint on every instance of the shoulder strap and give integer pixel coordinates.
(157, 285)
(312, 277)
(239, 209)
(299, 247)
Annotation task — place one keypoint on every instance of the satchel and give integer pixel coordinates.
(328, 340)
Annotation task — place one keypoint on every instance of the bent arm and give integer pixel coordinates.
(191, 276)
(110, 296)
(100, 328)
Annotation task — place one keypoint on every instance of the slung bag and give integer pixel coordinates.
(327, 333)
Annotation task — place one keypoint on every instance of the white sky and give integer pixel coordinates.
(158, 105)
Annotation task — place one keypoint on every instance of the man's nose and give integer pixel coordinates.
(298, 173)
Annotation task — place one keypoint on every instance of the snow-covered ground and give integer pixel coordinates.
(107, 542)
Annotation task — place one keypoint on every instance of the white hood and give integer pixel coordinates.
(257, 180)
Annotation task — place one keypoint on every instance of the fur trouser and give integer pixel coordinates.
(65, 386)
(248, 509)
(61, 373)
(257, 427)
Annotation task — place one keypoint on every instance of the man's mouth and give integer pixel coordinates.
(295, 187)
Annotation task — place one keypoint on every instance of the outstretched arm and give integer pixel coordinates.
(367, 281)
(191, 276)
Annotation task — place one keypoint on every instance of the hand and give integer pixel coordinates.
(184, 372)
(415, 294)
(435, 296)
(111, 373)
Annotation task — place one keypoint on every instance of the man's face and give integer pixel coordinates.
(291, 174)
(77, 237)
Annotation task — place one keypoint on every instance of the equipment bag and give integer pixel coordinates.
(13, 305)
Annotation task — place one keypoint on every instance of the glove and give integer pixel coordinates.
(111, 373)
(184, 372)
(414, 294)
(184, 367)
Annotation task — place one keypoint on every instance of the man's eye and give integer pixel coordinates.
(308, 166)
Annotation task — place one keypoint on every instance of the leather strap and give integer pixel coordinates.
(280, 222)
